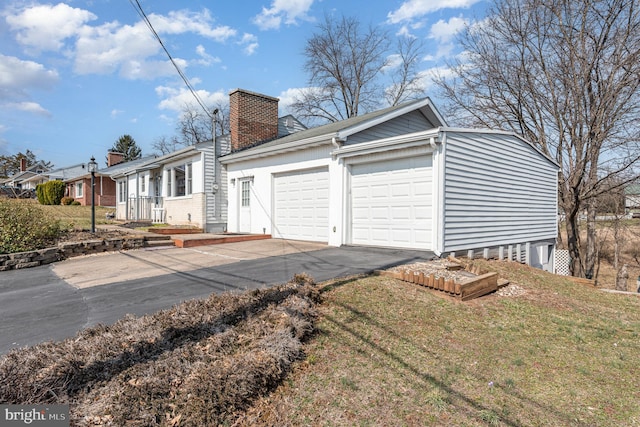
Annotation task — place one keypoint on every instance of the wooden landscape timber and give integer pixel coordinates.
(473, 287)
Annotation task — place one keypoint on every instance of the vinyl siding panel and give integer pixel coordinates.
(498, 190)
(407, 123)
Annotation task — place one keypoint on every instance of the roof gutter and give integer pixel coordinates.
(269, 150)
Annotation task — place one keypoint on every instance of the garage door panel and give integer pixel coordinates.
(391, 203)
(301, 203)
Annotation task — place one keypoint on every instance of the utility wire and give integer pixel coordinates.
(136, 5)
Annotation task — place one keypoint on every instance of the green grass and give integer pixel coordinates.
(77, 217)
(392, 353)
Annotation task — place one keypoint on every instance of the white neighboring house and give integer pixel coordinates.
(632, 198)
(175, 188)
(188, 186)
(401, 178)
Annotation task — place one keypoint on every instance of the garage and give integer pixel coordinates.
(391, 203)
(301, 205)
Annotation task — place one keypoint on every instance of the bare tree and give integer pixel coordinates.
(564, 74)
(195, 126)
(165, 145)
(343, 62)
(405, 76)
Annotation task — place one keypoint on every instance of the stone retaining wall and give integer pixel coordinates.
(67, 250)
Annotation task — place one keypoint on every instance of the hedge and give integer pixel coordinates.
(50, 193)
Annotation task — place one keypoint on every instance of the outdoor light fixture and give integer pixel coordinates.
(93, 167)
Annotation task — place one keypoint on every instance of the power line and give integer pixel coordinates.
(138, 8)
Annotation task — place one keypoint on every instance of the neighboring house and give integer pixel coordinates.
(188, 186)
(632, 198)
(28, 176)
(398, 177)
(78, 181)
(60, 174)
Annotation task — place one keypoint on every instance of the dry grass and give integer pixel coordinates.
(392, 353)
(384, 352)
(200, 363)
(76, 217)
(630, 254)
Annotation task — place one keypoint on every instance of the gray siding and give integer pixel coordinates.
(498, 190)
(411, 122)
(216, 216)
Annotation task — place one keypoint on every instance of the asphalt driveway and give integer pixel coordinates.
(54, 302)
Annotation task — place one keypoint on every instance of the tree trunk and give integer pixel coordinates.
(621, 278)
(591, 252)
(573, 244)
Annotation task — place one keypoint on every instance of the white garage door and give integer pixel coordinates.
(302, 205)
(391, 203)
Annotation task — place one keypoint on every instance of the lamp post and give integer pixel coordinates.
(93, 166)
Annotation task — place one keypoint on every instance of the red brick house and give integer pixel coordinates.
(105, 188)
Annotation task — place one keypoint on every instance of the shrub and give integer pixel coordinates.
(75, 203)
(50, 193)
(24, 226)
(67, 201)
(199, 363)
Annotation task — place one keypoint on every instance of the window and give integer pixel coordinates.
(79, 188)
(180, 181)
(143, 182)
(122, 191)
(246, 192)
(183, 177)
(189, 178)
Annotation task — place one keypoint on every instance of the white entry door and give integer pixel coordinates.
(391, 203)
(244, 208)
(301, 205)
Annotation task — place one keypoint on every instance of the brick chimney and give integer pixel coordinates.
(253, 118)
(113, 158)
(23, 164)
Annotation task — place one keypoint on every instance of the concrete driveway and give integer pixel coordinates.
(54, 302)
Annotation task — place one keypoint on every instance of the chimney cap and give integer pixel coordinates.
(248, 92)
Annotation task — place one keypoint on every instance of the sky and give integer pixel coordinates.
(76, 75)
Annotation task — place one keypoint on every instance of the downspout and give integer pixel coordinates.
(438, 145)
(337, 142)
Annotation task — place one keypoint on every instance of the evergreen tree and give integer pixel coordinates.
(127, 146)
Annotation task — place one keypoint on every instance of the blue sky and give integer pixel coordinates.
(76, 75)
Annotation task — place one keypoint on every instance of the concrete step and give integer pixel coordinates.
(156, 237)
(155, 241)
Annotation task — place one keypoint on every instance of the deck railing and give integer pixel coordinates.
(147, 208)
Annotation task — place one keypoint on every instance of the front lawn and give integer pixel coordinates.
(540, 352)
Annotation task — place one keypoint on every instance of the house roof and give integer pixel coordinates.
(68, 172)
(343, 129)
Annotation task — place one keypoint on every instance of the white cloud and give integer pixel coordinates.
(205, 58)
(414, 9)
(446, 31)
(18, 78)
(393, 61)
(45, 27)
(287, 11)
(115, 113)
(175, 99)
(288, 97)
(17, 74)
(29, 107)
(112, 47)
(184, 21)
(250, 43)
